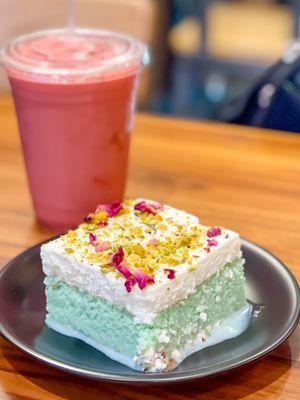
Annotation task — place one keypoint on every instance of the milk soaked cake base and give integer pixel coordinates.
(176, 333)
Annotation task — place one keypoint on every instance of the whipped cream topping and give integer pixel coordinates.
(168, 240)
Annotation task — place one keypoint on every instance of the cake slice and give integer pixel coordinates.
(146, 284)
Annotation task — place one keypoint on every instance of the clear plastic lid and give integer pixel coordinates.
(80, 55)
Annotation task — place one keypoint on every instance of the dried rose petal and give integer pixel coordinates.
(101, 207)
(114, 208)
(102, 223)
(207, 249)
(93, 239)
(102, 246)
(214, 231)
(122, 267)
(212, 242)
(144, 207)
(138, 277)
(89, 218)
(142, 279)
(170, 272)
(130, 283)
(124, 270)
(150, 208)
(111, 209)
(118, 257)
(153, 241)
(158, 206)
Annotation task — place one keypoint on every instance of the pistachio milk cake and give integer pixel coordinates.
(146, 284)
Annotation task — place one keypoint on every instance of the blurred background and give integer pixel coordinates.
(204, 53)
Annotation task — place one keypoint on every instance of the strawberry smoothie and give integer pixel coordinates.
(74, 95)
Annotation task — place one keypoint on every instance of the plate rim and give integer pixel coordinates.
(171, 376)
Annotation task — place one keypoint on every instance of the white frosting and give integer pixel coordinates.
(144, 304)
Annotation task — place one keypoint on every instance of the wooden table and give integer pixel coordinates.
(245, 179)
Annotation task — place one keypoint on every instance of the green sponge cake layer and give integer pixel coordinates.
(175, 333)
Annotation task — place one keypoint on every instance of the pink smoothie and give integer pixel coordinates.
(74, 96)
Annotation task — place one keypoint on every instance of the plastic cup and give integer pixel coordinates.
(74, 94)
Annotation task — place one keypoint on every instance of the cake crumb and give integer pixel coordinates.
(164, 337)
(159, 365)
(203, 316)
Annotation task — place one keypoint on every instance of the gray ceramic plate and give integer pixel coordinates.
(22, 312)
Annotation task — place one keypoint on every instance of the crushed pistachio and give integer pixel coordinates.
(152, 239)
(69, 250)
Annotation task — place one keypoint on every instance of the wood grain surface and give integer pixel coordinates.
(245, 179)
